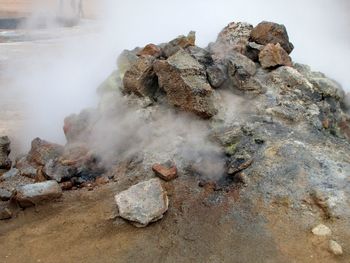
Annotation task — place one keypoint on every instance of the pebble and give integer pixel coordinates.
(321, 230)
(335, 248)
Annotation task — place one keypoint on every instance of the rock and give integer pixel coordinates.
(5, 195)
(125, 60)
(42, 151)
(268, 32)
(185, 82)
(5, 162)
(328, 87)
(253, 50)
(233, 38)
(273, 55)
(321, 230)
(217, 75)
(58, 172)
(150, 50)
(32, 194)
(239, 163)
(5, 213)
(167, 172)
(335, 248)
(68, 185)
(10, 174)
(25, 168)
(143, 203)
(179, 43)
(140, 79)
(201, 55)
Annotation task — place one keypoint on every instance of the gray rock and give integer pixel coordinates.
(143, 203)
(5, 195)
(185, 82)
(5, 212)
(181, 42)
(201, 55)
(125, 60)
(10, 174)
(58, 172)
(217, 75)
(335, 248)
(5, 162)
(32, 194)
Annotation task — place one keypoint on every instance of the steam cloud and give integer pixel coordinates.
(53, 78)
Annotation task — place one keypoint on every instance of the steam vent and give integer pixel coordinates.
(228, 153)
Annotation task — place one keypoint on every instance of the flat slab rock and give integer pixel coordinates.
(32, 194)
(143, 203)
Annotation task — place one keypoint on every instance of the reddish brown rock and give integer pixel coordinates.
(164, 172)
(185, 82)
(269, 32)
(273, 55)
(150, 50)
(42, 151)
(140, 79)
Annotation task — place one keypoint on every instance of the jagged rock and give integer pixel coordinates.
(150, 50)
(25, 168)
(140, 79)
(239, 163)
(253, 50)
(217, 75)
(5, 195)
(328, 88)
(167, 172)
(77, 126)
(5, 212)
(179, 43)
(233, 38)
(268, 32)
(58, 172)
(125, 60)
(143, 203)
(5, 162)
(185, 82)
(32, 194)
(335, 248)
(321, 230)
(42, 151)
(273, 55)
(201, 55)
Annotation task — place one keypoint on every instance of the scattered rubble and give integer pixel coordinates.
(143, 203)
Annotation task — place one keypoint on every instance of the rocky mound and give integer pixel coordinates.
(277, 131)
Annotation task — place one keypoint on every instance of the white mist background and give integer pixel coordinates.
(59, 77)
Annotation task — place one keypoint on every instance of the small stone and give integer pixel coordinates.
(5, 195)
(5, 213)
(167, 173)
(335, 248)
(321, 230)
(143, 203)
(31, 194)
(66, 185)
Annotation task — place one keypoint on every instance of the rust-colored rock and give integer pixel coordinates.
(150, 50)
(140, 79)
(42, 151)
(185, 82)
(164, 172)
(269, 32)
(273, 55)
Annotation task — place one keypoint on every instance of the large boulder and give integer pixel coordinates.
(32, 194)
(143, 203)
(269, 32)
(5, 162)
(234, 37)
(185, 82)
(273, 55)
(42, 151)
(140, 79)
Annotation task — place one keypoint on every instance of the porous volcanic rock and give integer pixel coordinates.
(143, 203)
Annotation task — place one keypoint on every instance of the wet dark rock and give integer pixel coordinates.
(268, 32)
(140, 79)
(273, 55)
(185, 82)
(5, 162)
(217, 75)
(253, 50)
